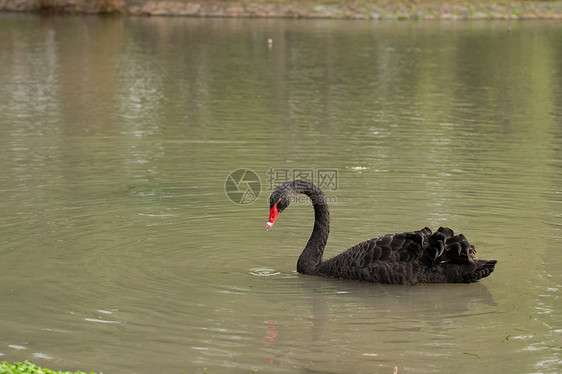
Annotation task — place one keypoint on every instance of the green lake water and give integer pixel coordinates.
(121, 250)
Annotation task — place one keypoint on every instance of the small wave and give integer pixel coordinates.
(42, 355)
(100, 320)
(16, 346)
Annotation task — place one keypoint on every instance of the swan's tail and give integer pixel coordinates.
(457, 255)
(483, 269)
(444, 246)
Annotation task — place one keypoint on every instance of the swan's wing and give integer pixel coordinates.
(422, 245)
(400, 246)
(362, 260)
(404, 257)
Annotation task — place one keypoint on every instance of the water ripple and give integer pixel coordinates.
(268, 272)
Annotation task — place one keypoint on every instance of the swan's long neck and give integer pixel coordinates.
(311, 256)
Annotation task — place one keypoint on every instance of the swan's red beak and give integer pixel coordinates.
(273, 214)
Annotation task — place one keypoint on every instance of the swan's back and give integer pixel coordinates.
(410, 258)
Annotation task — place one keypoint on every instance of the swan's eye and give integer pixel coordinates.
(281, 205)
(272, 201)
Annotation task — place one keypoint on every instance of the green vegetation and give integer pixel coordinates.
(29, 368)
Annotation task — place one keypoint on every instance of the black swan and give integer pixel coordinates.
(403, 257)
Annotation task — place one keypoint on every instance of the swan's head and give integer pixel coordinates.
(278, 202)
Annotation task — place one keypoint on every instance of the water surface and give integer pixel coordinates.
(121, 252)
